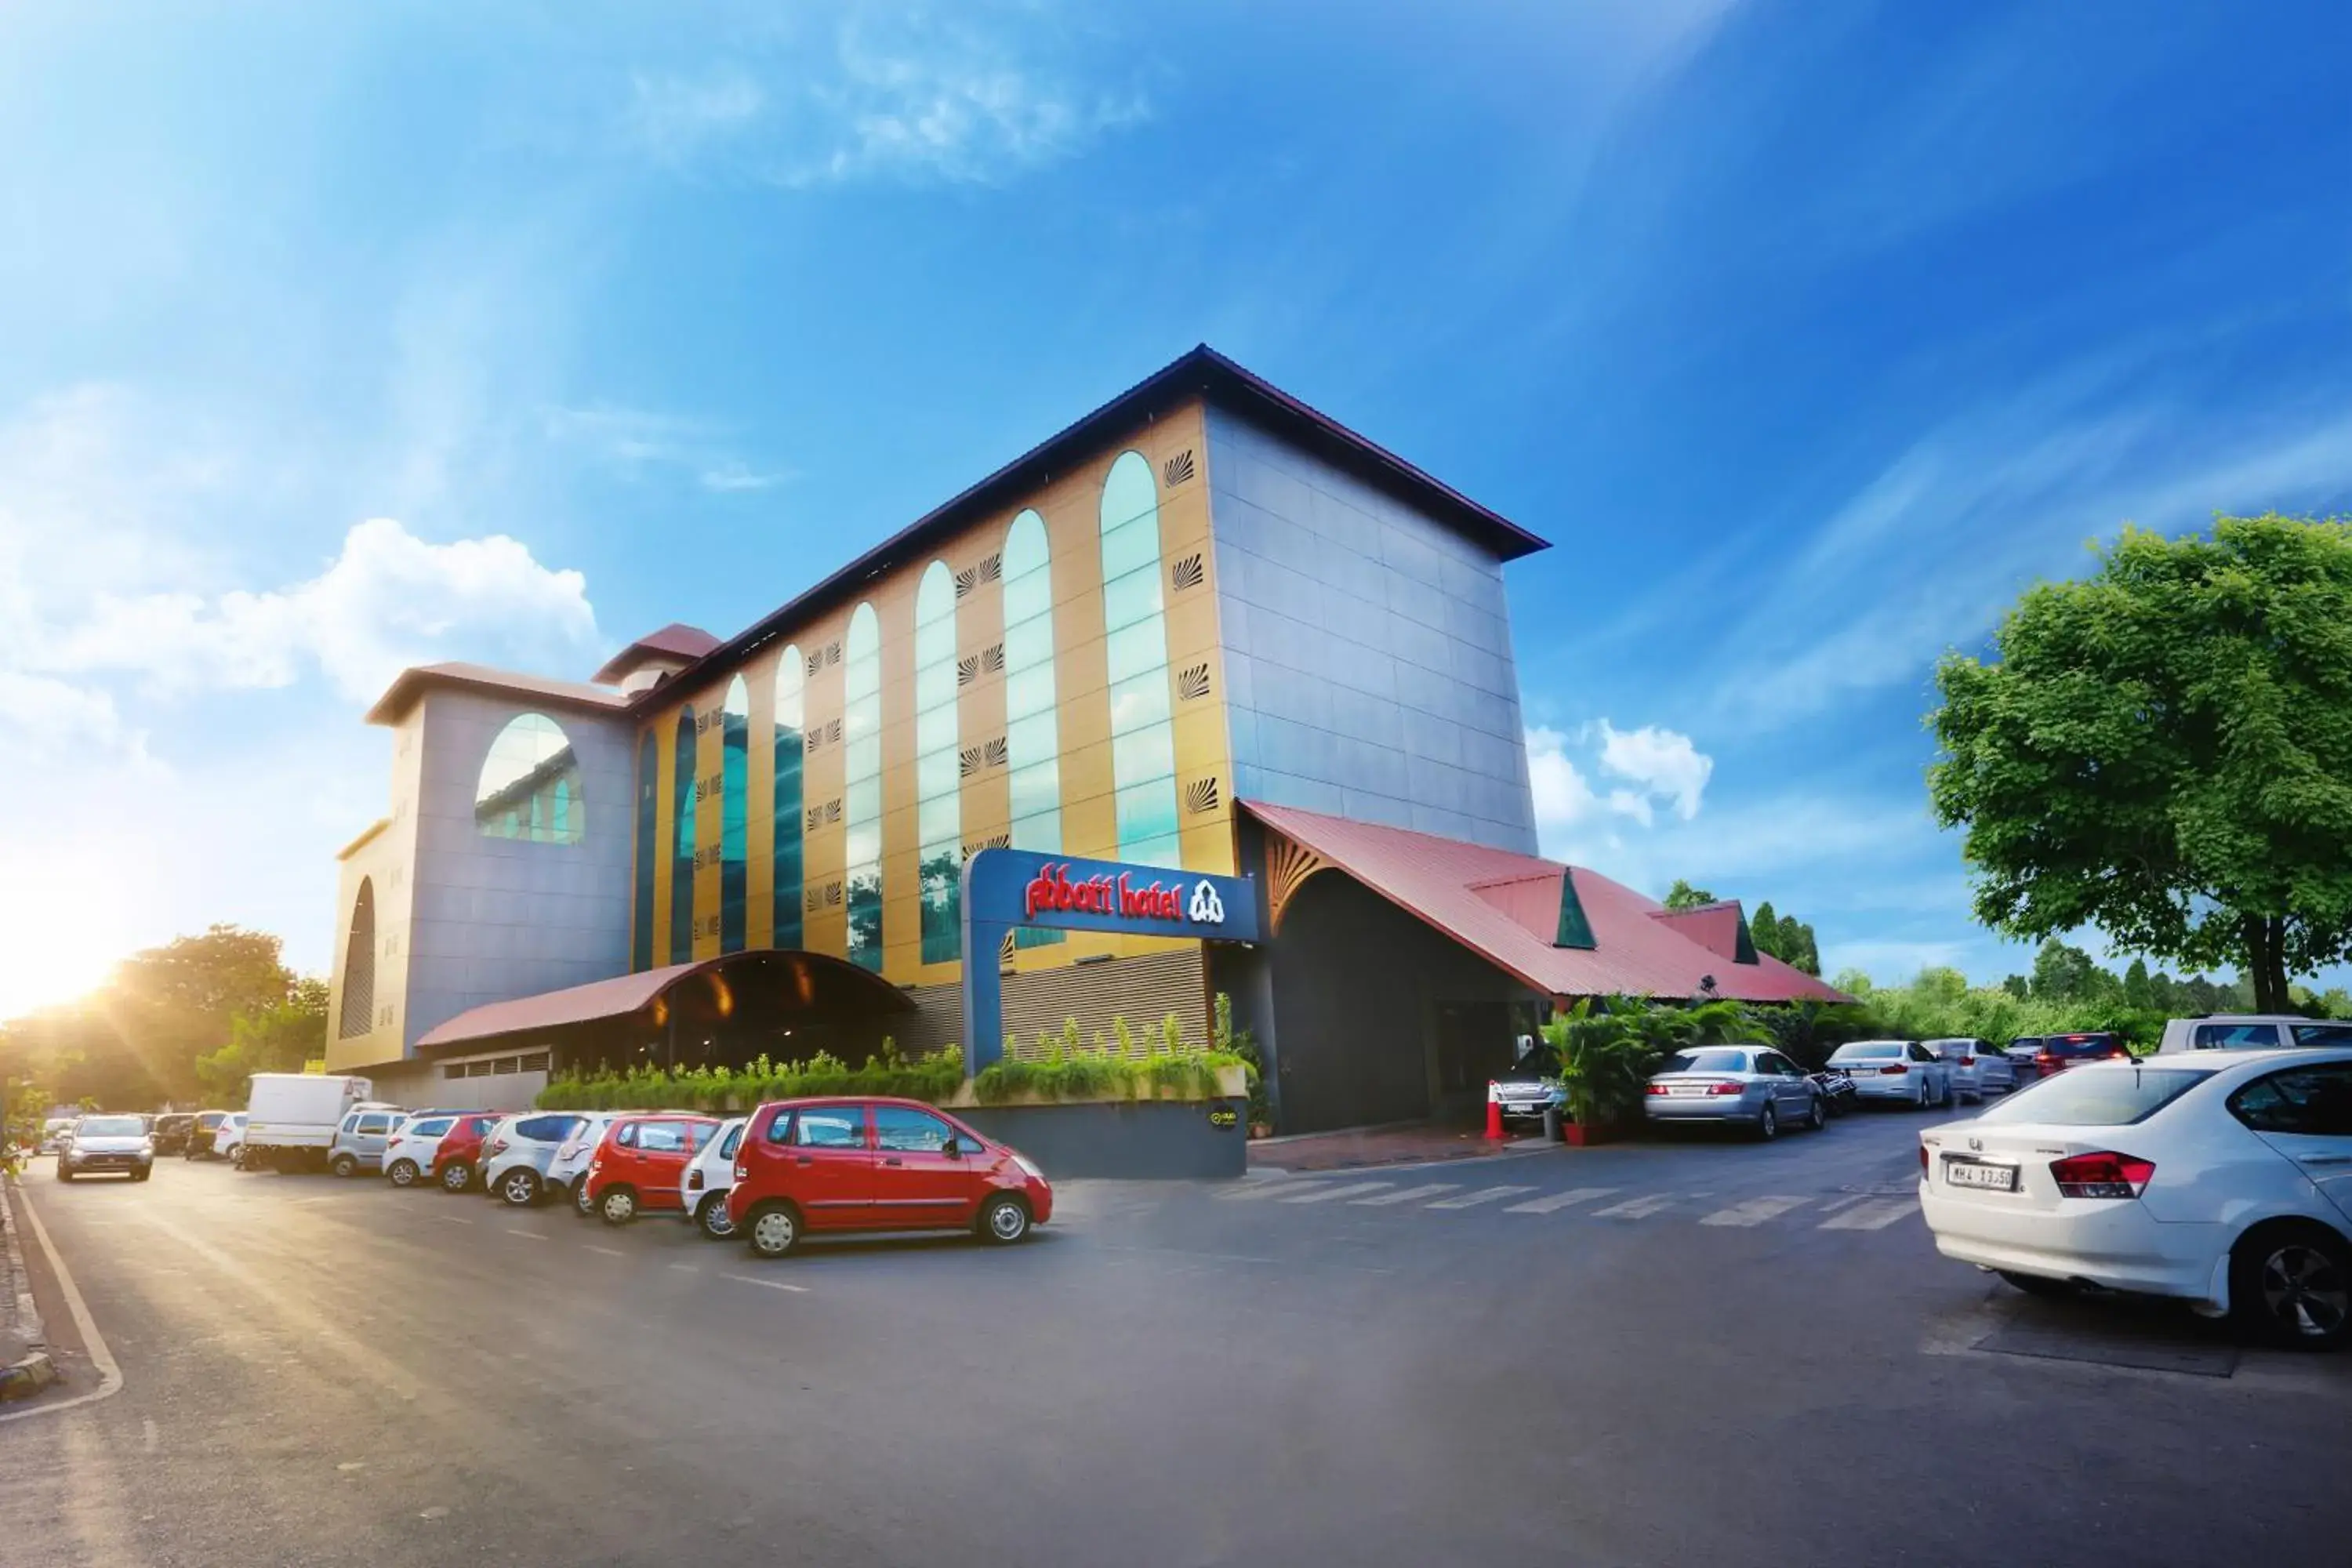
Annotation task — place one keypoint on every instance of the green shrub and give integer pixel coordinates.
(934, 1078)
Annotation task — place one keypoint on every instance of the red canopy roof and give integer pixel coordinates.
(1506, 906)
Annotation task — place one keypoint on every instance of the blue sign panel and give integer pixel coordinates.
(1003, 888)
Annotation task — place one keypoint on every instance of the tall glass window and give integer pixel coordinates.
(641, 943)
(734, 828)
(530, 785)
(861, 806)
(681, 855)
(1142, 738)
(939, 783)
(358, 1014)
(791, 747)
(1031, 743)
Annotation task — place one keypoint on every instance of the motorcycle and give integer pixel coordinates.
(1835, 1086)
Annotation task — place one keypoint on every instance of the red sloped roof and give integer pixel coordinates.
(1715, 927)
(677, 640)
(1505, 907)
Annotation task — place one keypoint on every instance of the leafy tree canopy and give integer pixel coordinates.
(2164, 751)
(1683, 896)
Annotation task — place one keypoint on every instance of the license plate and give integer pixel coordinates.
(1975, 1174)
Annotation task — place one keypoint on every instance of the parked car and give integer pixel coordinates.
(53, 1134)
(1752, 1085)
(457, 1158)
(2249, 1032)
(96, 1143)
(228, 1138)
(200, 1135)
(2059, 1052)
(408, 1152)
(172, 1132)
(567, 1173)
(2223, 1179)
(518, 1151)
(1532, 1085)
(702, 1196)
(1962, 1064)
(1995, 1070)
(359, 1139)
(640, 1163)
(813, 1166)
(1902, 1070)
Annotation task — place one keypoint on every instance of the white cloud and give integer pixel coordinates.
(634, 440)
(1662, 761)
(829, 93)
(389, 599)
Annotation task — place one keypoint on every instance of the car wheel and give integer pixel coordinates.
(772, 1230)
(64, 1175)
(1815, 1116)
(2038, 1284)
(712, 1217)
(2292, 1284)
(580, 1201)
(141, 1175)
(1768, 1124)
(519, 1188)
(618, 1206)
(456, 1176)
(343, 1166)
(402, 1174)
(1005, 1219)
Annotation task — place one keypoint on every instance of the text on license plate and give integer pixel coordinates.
(1974, 1173)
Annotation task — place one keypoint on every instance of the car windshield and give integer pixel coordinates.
(1869, 1051)
(1707, 1061)
(110, 1127)
(1542, 1061)
(2096, 1097)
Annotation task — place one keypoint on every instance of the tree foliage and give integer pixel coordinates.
(1786, 938)
(1683, 896)
(2164, 751)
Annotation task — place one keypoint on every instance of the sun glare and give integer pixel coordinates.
(55, 947)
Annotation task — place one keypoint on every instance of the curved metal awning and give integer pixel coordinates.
(794, 977)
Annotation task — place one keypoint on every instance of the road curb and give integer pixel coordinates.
(34, 1371)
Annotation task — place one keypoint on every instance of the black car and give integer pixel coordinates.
(173, 1131)
(2058, 1052)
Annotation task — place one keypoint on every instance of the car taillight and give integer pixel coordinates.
(498, 1146)
(1898, 1070)
(1656, 1088)
(1968, 1061)
(2102, 1176)
(2047, 1061)
(741, 1175)
(694, 1180)
(1725, 1088)
(1923, 1159)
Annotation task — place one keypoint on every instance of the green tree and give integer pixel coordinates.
(2164, 751)
(2017, 986)
(1683, 896)
(2139, 994)
(2064, 973)
(279, 1037)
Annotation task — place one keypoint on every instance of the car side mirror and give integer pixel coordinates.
(953, 1148)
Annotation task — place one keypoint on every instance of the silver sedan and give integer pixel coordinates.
(1753, 1086)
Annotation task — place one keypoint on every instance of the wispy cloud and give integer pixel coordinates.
(843, 92)
(636, 440)
(1658, 766)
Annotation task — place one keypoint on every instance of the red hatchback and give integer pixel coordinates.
(459, 1152)
(818, 1165)
(641, 1165)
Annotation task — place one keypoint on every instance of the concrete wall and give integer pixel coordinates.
(1154, 1140)
(1367, 651)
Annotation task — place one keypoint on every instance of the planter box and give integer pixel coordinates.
(1577, 1134)
(1232, 1083)
(1124, 1138)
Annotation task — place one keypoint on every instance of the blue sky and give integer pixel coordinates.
(341, 337)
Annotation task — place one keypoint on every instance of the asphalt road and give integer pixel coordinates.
(1693, 1353)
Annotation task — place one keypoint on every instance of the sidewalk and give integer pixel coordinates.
(1355, 1148)
(25, 1365)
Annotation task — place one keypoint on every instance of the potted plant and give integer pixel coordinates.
(1605, 1057)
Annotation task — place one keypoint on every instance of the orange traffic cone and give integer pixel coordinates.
(1495, 1119)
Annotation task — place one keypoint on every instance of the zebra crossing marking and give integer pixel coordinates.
(1559, 1201)
(1871, 1215)
(1406, 1197)
(1325, 1195)
(1641, 1207)
(1276, 1188)
(1755, 1211)
(1483, 1195)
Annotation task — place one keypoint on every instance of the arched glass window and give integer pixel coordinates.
(1135, 643)
(681, 855)
(358, 1014)
(861, 806)
(641, 941)
(530, 785)
(1033, 748)
(734, 826)
(939, 783)
(791, 747)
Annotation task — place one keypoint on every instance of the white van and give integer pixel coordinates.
(2251, 1032)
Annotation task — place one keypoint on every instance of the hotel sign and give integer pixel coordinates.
(1007, 889)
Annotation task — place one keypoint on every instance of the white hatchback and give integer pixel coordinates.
(2223, 1179)
(408, 1153)
(567, 1173)
(703, 1185)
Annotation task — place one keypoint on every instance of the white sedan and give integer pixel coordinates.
(2224, 1180)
